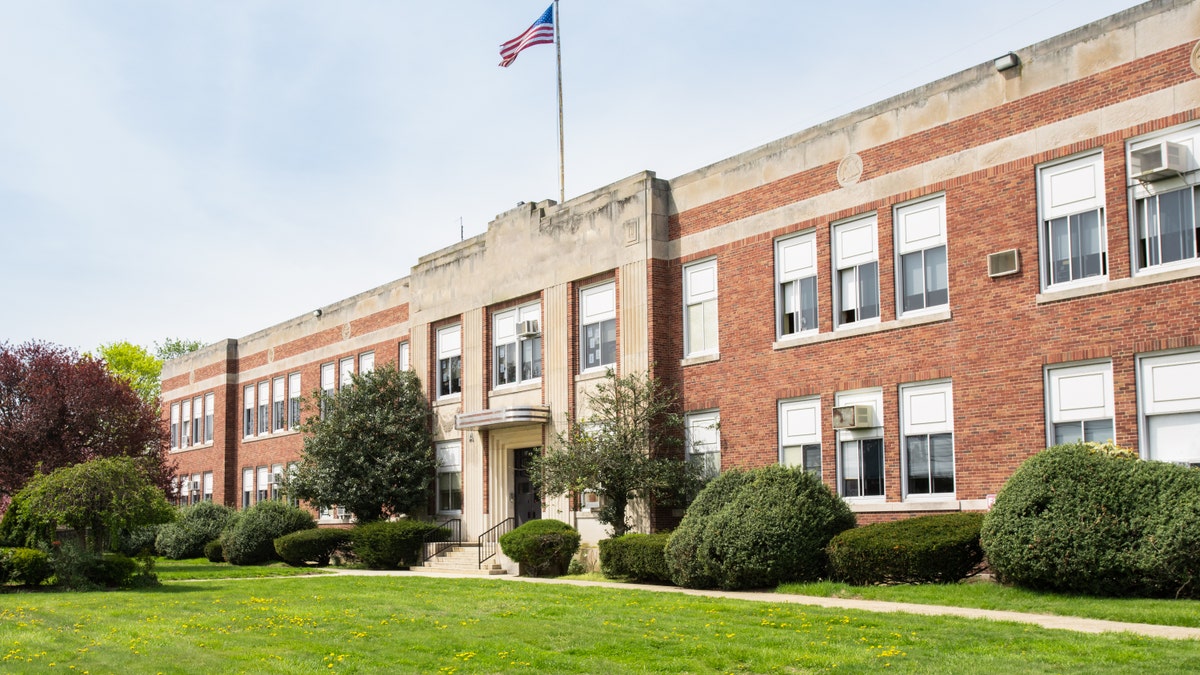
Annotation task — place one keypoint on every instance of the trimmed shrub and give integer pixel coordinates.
(316, 546)
(250, 540)
(1079, 519)
(637, 557)
(938, 549)
(112, 570)
(29, 566)
(197, 525)
(5, 566)
(386, 545)
(542, 547)
(756, 529)
(139, 539)
(214, 551)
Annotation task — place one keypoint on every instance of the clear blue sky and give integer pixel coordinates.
(205, 169)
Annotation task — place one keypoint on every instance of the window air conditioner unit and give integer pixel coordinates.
(1004, 263)
(1158, 161)
(852, 417)
(590, 500)
(527, 329)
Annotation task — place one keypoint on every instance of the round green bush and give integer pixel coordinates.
(542, 547)
(112, 570)
(927, 549)
(1076, 519)
(316, 546)
(214, 552)
(250, 540)
(385, 545)
(756, 529)
(29, 566)
(196, 526)
(637, 557)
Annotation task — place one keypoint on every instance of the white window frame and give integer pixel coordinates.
(279, 420)
(264, 407)
(855, 245)
(1169, 387)
(597, 318)
(198, 421)
(175, 425)
(700, 297)
(449, 356)
(402, 356)
(247, 487)
(927, 409)
(799, 430)
(328, 382)
(294, 394)
(210, 413)
(194, 487)
(872, 398)
(449, 456)
(185, 435)
(796, 277)
(346, 372)
(1082, 192)
(504, 336)
(248, 423)
(1078, 393)
(263, 485)
(366, 362)
(273, 482)
(704, 440)
(921, 229)
(207, 481)
(1189, 136)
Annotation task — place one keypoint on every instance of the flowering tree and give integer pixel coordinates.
(58, 408)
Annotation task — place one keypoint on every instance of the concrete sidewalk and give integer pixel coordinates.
(1078, 624)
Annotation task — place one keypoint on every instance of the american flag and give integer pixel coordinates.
(540, 33)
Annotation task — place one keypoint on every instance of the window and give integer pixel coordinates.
(194, 489)
(856, 262)
(921, 251)
(327, 384)
(800, 434)
(517, 345)
(247, 487)
(174, 426)
(700, 308)
(366, 362)
(294, 400)
(1166, 202)
(449, 365)
(927, 434)
(1169, 397)
(1074, 243)
(187, 423)
(210, 411)
(273, 481)
(208, 486)
(346, 367)
(279, 404)
(598, 326)
(264, 407)
(796, 277)
(860, 451)
(1080, 401)
(197, 420)
(292, 468)
(264, 484)
(248, 411)
(402, 356)
(449, 476)
(704, 441)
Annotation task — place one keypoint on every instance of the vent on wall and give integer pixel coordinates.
(1004, 263)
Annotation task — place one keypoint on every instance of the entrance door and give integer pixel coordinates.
(527, 504)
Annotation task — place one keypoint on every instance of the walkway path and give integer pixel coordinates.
(1044, 620)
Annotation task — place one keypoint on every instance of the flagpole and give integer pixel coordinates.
(562, 186)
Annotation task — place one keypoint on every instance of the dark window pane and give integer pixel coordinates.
(1059, 236)
(936, 277)
(808, 303)
(912, 272)
(812, 459)
(917, 448)
(1090, 244)
(868, 290)
(942, 462)
(608, 342)
(872, 466)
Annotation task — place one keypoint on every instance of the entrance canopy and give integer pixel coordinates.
(497, 418)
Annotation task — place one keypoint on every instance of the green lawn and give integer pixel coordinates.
(988, 595)
(429, 625)
(201, 568)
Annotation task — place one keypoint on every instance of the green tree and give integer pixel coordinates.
(172, 347)
(97, 499)
(630, 446)
(134, 365)
(370, 450)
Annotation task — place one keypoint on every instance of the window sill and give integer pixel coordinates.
(918, 505)
(263, 437)
(452, 399)
(856, 331)
(697, 360)
(595, 373)
(1144, 278)
(532, 385)
(190, 448)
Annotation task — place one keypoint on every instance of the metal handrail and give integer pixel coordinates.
(488, 539)
(427, 551)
